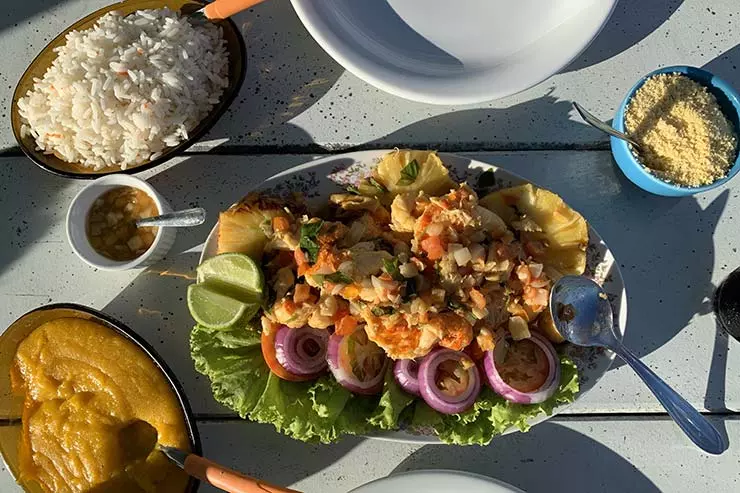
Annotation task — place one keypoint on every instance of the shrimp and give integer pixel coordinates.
(396, 337)
(452, 330)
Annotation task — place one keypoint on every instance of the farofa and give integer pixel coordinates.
(684, 137)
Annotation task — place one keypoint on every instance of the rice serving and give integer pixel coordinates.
(122, 92)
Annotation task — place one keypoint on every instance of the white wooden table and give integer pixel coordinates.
(298, 103)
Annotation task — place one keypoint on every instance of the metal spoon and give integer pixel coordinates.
(603, 126)
(583, 316)
(177, 219)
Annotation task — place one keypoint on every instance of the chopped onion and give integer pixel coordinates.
(541, 394)
(441, 370)
(434, 229)
(406, 372)
(536, 270)
(462, 256)
(302, 351)
(356, 362)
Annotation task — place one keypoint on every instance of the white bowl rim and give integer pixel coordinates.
(88, 254)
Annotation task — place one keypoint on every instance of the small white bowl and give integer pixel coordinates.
(77, 224)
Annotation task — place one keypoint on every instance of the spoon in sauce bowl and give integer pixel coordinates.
(139, 438)
(178, 219)
(583, 315)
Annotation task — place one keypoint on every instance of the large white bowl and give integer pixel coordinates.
(459, 52)
(77, 223)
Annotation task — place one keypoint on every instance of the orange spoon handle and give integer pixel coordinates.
(222, 9)
(226, 479)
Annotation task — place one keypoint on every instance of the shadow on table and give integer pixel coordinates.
(727, 66)
(17, 12)
(549, 458)
(259, 451)
(538, 124)
(29, 211)
(631, 22)
(287, 72)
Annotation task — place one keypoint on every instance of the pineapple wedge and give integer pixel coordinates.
(397, 175)
(542, 215)
(243, 227)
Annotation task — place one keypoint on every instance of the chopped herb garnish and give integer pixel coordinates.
(338, 277)
(409, 173)
(307, 242)
(392, 268)
(318, 279)
(375, 183)
(454, 305)
(379, 311)
(353, 190)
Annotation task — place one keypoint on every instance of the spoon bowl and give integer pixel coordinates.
(583, 316)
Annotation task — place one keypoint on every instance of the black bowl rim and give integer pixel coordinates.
(177, 150)
(132, 336)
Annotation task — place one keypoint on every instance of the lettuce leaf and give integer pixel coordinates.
(323, 410)
(492, 414)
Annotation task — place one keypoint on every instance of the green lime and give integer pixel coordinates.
(233, 274)
(215, 310)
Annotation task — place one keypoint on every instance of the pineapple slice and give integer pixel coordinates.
(243, 228)
(398, 174)
(542, 216)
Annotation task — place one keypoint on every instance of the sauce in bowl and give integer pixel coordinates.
(111, 223)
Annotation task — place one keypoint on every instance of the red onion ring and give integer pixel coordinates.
(301, 351)
(339, 345)
(434, 396)
(406, 372)
(546, 390)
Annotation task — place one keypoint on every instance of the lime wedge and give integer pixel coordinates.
(233, 274)
(215, 310)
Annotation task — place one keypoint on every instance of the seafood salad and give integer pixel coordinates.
(409, 301)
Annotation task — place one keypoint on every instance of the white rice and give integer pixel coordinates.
(120, 93)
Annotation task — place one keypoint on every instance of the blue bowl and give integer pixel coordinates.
(729, 102)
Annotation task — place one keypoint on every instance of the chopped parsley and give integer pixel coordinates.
(379, 311)
(338, 277)
(409, 173)
(393, 270)
(353, 190)
(378, 186)
(308, 244)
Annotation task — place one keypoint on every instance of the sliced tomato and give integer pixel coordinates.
(268, 352)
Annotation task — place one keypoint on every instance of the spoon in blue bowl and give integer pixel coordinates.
(583, 316)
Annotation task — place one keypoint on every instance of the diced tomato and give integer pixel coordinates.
(280, 223)
(301, 261)
(346, 325)
(268, 353)
(434, 246)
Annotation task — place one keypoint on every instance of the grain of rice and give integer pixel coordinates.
(122, 92)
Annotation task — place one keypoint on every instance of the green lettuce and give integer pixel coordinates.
(323, 410)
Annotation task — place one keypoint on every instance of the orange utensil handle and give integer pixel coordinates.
(221, 9)
(226, 479)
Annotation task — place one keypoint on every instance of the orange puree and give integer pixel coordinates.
(82, 383)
